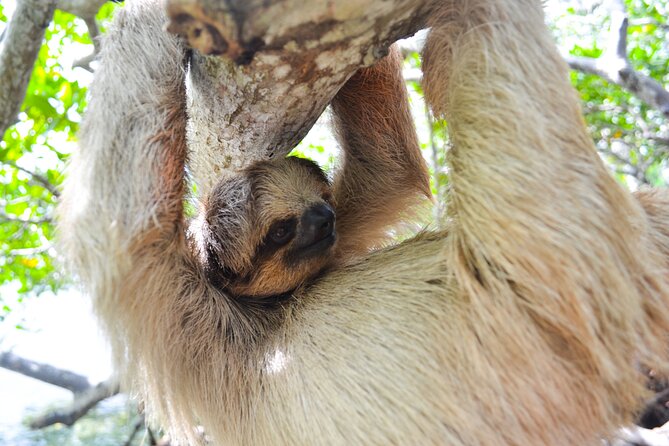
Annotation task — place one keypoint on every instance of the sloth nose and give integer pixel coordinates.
(318, 222)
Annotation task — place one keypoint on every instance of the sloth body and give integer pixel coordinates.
(521, 324)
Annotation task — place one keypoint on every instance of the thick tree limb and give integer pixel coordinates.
(614, 65)
(18, 51)
(285, 61)
(21, 42)
(80, 406)
(44, 372)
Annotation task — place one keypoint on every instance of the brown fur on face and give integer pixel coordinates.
(241, 256)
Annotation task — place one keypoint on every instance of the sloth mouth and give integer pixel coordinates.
(319, 245)
(315, 249)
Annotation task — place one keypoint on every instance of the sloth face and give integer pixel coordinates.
(273, 231)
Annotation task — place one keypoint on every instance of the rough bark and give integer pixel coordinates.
(18, 51)
(285, 61)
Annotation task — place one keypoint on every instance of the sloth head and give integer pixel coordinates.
(270, 229)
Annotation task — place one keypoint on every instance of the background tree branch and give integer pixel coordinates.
(62, 378)
(80, 406)
(38, 178)
(615, 67)
(86, 396)
(638, 436)
(86, 10)
(37, 221)
(18, 50)
(21, 42)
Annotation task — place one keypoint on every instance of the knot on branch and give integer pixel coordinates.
(210, 36)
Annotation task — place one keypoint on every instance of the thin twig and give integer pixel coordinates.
(135, 430)
(41, 179)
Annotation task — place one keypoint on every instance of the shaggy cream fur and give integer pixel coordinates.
(521, 324)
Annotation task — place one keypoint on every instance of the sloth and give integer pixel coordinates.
(277, 224)
(519, 324)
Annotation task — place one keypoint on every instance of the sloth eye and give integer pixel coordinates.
(282, 231)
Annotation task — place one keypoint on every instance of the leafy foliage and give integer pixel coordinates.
(32, 158)
(631, 136)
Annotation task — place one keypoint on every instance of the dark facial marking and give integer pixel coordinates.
(281, 232)
(317, 234)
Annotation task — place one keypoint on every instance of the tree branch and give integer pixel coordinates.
(81, 8)
(614, 65)
(44, 372)
(94, 33)
(280, 71)
(627, 168)
(138, 425)
(18, 51)
(86, 10)
(80, 406)
(85, 395)
(41, 179)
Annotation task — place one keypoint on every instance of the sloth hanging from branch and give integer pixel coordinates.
(267, 320)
